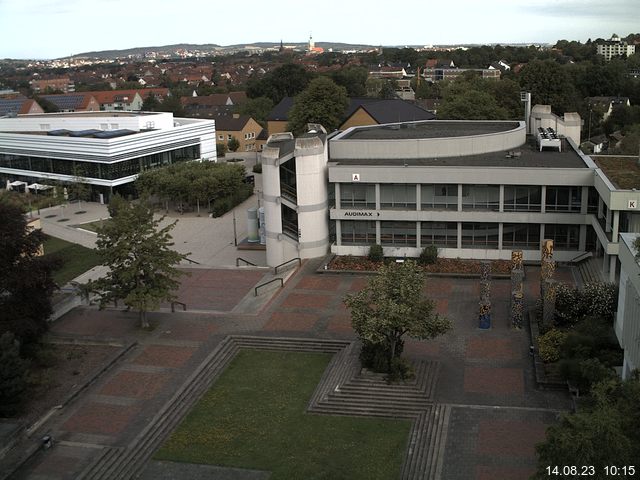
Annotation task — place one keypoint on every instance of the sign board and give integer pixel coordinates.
(361, 213)
(632, 204)
(355, 177)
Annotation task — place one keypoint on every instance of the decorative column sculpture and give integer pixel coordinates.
(517, 292)
(547, 284)
(485, 295)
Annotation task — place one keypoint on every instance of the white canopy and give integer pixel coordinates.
(38, 186)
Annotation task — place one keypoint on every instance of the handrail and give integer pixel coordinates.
(239, 259)
(173, 306)
(581, 257)
(192, 261)
(275, 270)
(255, 290)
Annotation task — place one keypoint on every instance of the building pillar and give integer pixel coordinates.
(582, 241)
(612, 268)
(600, 205)
(418, 234)
(459, 199)
(500, 231)
(541, 233)
(459, 235)
(584, 201)
(607, 223)
(378, 238)
(378, 198)
(615, 226)
(501, 202)
(543, 199)
(337, 194)
(418, 197)
(338, 233)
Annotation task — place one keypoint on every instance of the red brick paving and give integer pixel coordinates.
(494, 381)
(493, 348)
(56, 464)
(438, 287)
(340, 324)
(504, 473)
(358, 284)
(164, 356)
(135, 384)
(421, 347)
(101, 419)
(291, 321)
(190, 331)
(106, 323)
(509, 438)
(319, 282)
(308, 301)
(220, 290)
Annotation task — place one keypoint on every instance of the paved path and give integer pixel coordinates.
(486, 379)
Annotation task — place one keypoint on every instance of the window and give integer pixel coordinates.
(480, 235)
(290, 222)
(523, 198)
(563, 199)
(481, 197)
(440, 234)
(229, 137)
(399, 234)
(592, 201)
(565, 237)
(354, 232)
(358, 195)
(398, 196)
(521, 235)
(439, 197)
(220, 137)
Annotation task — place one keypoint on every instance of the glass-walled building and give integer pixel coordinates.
(104, 149)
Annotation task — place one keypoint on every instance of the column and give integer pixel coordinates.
(459, 198)
(584, 201)
(378, 197)
(612, 268)
(338, 233)
(616, 226)
(337, 194)
(501, 203)
(582, 242)
(543, 199)
(459, 235)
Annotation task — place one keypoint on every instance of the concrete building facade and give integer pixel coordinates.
(627, 322)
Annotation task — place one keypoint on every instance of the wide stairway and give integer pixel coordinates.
(591, 270)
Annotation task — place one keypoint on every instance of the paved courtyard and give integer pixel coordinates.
(497, 414)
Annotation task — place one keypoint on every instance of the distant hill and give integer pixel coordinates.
(139, 51)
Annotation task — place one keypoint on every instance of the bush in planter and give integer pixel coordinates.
(600, 299)
(429, 255)
(257, 168)
(376, 253)
(549, 345)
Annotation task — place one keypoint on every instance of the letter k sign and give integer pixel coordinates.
(632, 204)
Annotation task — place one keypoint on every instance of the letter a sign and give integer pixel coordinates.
(355, 177)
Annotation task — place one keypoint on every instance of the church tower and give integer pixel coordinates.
(312, 44)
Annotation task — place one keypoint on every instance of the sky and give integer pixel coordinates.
(46, 29)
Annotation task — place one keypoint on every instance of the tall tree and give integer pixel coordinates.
(257, 108)
(393, 305)
(142, 266)
(13, 371)
(322, 102)
(285, 81)
(550, 84)
(471, 105)
(26, 282)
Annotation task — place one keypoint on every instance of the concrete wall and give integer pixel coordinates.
(627, 322)
(85, 121)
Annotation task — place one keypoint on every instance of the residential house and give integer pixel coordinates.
(63, 84)
(241, 127)
(607, 104)
(127, 100)
(212, 106)
(73, 102)
(18, 106)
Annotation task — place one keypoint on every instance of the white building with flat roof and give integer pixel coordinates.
(627, 323)
(107, 149)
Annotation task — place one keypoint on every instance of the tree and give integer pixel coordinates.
(393, 305)
(353, 78)
(471, 105)
(601, 435)
(233, 145)
(26, 282)
(549, 84)
(388, 89)
(142, 267)
(630, 144)
(322, 102)
(257, 108)
(150, 103)
(13, 371)
(285, 81)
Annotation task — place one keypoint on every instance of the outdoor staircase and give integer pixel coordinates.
(590, 270)
(343, 390)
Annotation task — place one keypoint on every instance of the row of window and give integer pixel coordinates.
(474, 197)
(106, 171)
(445, 234)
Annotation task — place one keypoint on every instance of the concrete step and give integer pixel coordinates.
(371, 411)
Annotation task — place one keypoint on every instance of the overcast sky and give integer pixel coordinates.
(56, 28)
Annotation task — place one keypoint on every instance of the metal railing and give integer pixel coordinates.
(255, 290)
(173, 306)
(239, 259)
(581, 257)
(275, 270)
(191, 261)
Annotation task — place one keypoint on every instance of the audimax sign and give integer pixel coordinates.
(360, 213)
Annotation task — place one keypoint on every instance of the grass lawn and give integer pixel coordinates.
(76, 259)
(254, 417)
(92, 226)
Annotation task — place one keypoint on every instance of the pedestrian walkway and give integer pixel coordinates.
(484, 386)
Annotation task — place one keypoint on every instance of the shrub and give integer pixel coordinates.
(375, 356)
(376, 253)
(429, 255)
(257, 168)
(549, 345)
(400, 370)
(600, 299)
(568, 308)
